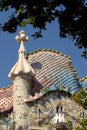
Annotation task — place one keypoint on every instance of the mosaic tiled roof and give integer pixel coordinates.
(53, 71)
(6, 98)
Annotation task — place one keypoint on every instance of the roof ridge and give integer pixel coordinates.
(55, 51)
(83, 79)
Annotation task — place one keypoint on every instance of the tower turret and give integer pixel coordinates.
(22, 74)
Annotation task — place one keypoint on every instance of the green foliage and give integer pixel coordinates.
(72, 21)
(59, 88)
(47, 90)
(69, 124)
(80, 98)
(83, 125)
(85, 104)
(78, 128)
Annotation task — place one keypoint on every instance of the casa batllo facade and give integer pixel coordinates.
(39, 97)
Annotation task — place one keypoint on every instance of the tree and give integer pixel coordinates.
(70, 14)
(81, 98)
(83, 125)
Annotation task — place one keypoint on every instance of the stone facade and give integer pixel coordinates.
(21, 90)
(42, 113)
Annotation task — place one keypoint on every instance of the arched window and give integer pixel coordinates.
(59, 109)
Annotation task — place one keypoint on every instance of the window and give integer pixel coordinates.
(59, 109)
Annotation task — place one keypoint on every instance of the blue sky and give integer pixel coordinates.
(9, 50)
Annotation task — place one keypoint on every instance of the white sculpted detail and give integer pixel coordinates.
(59, 117)
(22, 66)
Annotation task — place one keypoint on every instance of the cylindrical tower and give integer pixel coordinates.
(21, 74)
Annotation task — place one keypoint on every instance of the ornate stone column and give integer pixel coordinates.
(21, 73)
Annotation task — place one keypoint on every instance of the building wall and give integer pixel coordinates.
(47, 106)
(43, 111)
